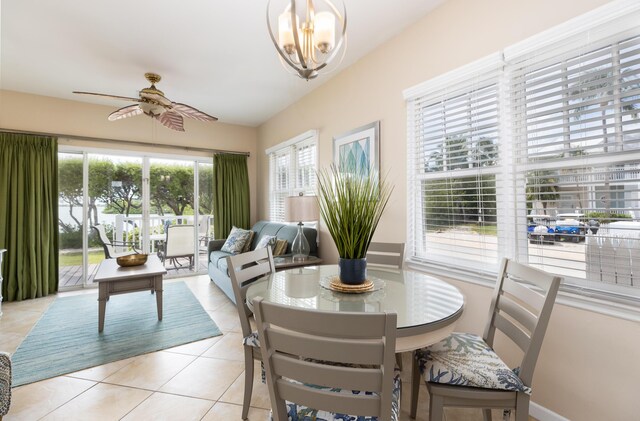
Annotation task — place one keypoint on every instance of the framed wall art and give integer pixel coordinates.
(358, 151)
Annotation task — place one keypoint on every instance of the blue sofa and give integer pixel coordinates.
(218, 271)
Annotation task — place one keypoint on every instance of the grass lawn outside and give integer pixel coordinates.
(75, 259)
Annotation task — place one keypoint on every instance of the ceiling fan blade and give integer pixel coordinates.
(125, 98)
(191, 112)
(171, 120)
(129, 111)
(160, 99)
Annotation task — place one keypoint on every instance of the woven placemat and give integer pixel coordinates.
(337, 285)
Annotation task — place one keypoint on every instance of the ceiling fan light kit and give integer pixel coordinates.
(308, 45)
(153, 103)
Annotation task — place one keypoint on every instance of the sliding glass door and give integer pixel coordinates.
(70, 222)
(134, 200)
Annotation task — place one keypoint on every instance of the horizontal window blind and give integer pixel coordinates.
(534, 156)
(577, 134)
(453, 156)
(292, 169)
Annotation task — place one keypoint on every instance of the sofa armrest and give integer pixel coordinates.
(214, 245)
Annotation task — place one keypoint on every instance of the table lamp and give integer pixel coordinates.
(301, 208)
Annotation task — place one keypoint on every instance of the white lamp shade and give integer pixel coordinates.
(301, 208)
(324, 29)
(285, 30)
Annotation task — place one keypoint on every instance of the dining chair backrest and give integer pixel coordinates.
(310, 354)
(386, 254)
(179, 241)
(109, 250)
(243, 268)
(522, 312)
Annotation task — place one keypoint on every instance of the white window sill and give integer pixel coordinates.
(623, 307)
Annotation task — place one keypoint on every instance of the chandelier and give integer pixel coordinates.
(308, 45)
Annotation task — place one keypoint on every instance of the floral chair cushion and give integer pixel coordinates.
(302, 413)
(251, 340)
(236, 240)
(465, 359)
(5, 383)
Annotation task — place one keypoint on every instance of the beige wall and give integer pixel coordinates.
(41, 114)
(587, 369)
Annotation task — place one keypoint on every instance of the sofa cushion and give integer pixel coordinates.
(217, 256)
(280, 248)
(249, 243)
(266, 240)
(236, 240)
(223, 266)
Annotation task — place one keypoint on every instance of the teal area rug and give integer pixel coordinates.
(66, 338)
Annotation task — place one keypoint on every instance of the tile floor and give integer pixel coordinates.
(203, 380)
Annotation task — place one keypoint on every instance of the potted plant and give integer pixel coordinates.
(351, 205)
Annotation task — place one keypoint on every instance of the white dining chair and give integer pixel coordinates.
(328, 365)
(243, 268)
(385, 255)
(463, 370)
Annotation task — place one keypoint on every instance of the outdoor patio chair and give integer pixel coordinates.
(463, 370)
(109, 246)
(203, 231)
(243, 268)
(329, 365)
(179, 244)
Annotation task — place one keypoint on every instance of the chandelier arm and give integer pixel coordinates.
(275, 43)
(296, 39)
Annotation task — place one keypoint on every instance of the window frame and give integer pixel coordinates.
(289, 148)
(615, 19)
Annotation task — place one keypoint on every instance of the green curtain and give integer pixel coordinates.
(29, 215)
(230, 193)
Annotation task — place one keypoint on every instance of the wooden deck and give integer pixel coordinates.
(71, 276)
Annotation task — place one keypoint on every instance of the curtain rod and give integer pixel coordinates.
(126, 142)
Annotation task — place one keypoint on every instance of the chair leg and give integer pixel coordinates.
(522, 407)
(399, 360)
(415, 385)
(486, 414)
(248, 382)
(436, 407)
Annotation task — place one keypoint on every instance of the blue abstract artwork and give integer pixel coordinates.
(355, 157)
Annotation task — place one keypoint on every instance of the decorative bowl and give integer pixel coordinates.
(132, 260)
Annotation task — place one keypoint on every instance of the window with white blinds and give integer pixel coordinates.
(453, 157)
(577, 134)
(535, 158)
(292, 169)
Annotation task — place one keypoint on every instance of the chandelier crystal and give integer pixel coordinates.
(308, 45)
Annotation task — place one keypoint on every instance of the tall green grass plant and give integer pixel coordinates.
(351, 205)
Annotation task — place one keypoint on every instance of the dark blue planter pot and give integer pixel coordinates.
(352, 271)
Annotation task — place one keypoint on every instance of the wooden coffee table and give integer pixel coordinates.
(113, 279)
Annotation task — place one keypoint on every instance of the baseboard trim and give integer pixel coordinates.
(541, 413)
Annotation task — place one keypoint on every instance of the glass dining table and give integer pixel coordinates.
(427, 307)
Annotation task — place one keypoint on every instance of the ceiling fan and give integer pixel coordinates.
(153, 103)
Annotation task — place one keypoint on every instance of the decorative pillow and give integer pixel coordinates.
(247, 246)
(465, 359)
(280, 248)
(236, 240)
(267, 240)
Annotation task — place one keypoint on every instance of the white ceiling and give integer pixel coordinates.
(215, 55)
